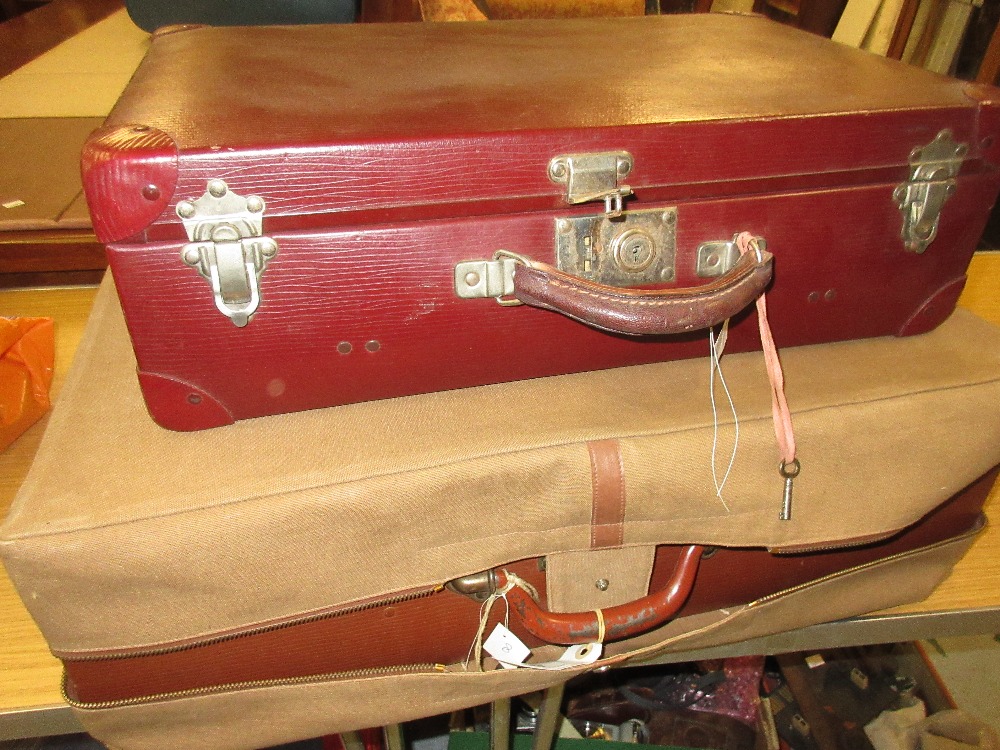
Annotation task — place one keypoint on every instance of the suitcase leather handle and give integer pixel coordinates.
(644, 312)
(619, 622)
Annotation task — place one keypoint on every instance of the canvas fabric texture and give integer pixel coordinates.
(127, 535)
(246, 719)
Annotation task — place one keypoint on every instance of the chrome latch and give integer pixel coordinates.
(594, 177)
(228, 247)
(933, 169)
(717, 257)
(479, 279)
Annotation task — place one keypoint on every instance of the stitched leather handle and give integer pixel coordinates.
(642, 312)
(623, 621)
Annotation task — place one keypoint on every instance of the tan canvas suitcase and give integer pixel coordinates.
(286, 577)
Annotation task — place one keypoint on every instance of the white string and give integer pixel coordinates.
(476, 649)
(516, 580)
(717, 347)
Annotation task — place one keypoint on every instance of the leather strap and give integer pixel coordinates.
(607, 474)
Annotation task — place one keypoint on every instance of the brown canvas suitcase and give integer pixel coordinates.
(290, 233)
(289, 577)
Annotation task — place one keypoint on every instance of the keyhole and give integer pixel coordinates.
(634, 250)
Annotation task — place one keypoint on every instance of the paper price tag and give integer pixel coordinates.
(574, 656)
(506, 647)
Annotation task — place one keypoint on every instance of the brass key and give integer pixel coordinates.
(789, 471)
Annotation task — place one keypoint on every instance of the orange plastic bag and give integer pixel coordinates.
(27, 351)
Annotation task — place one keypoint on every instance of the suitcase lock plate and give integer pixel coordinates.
(933, 172)
(634, 248)
(617, 247)
(228, 247)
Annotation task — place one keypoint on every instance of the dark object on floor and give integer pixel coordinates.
(153, 14)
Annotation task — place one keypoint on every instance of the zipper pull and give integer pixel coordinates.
(788, 471)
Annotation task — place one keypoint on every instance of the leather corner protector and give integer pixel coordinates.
(180, 406)
(129, 176)
(935, 309)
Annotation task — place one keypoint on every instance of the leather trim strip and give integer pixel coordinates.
(607, 474)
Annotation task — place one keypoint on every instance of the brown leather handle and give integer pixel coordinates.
(638, 312)
(623, 621)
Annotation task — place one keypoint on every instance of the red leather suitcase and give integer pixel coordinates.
(310, 216)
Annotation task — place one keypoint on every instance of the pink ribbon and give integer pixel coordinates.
(780, 413)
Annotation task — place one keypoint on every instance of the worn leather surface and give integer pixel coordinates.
(377, 186)
(637, 312)
(690, 72)
(454, 114)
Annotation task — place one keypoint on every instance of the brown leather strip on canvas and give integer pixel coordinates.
(608, 477)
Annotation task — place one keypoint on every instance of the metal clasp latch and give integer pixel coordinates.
(933, 169)
(593, 177)
(228, 247)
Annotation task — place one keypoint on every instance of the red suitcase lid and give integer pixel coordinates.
(337, 125)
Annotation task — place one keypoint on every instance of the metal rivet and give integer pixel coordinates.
(602, 584)
(564, 225)
(185, 209)
(194, 398)
(255, 204)
(268, 247)
(344, 347)
(813, 296)
(151, 192)
(472, 278)
(373, 345)
(831, 295)
(192, 255)
(275, 387)
(217, 188)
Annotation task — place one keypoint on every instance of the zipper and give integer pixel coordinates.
(846, 543)
(249, 685)
(898, 556)
(251, 631)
